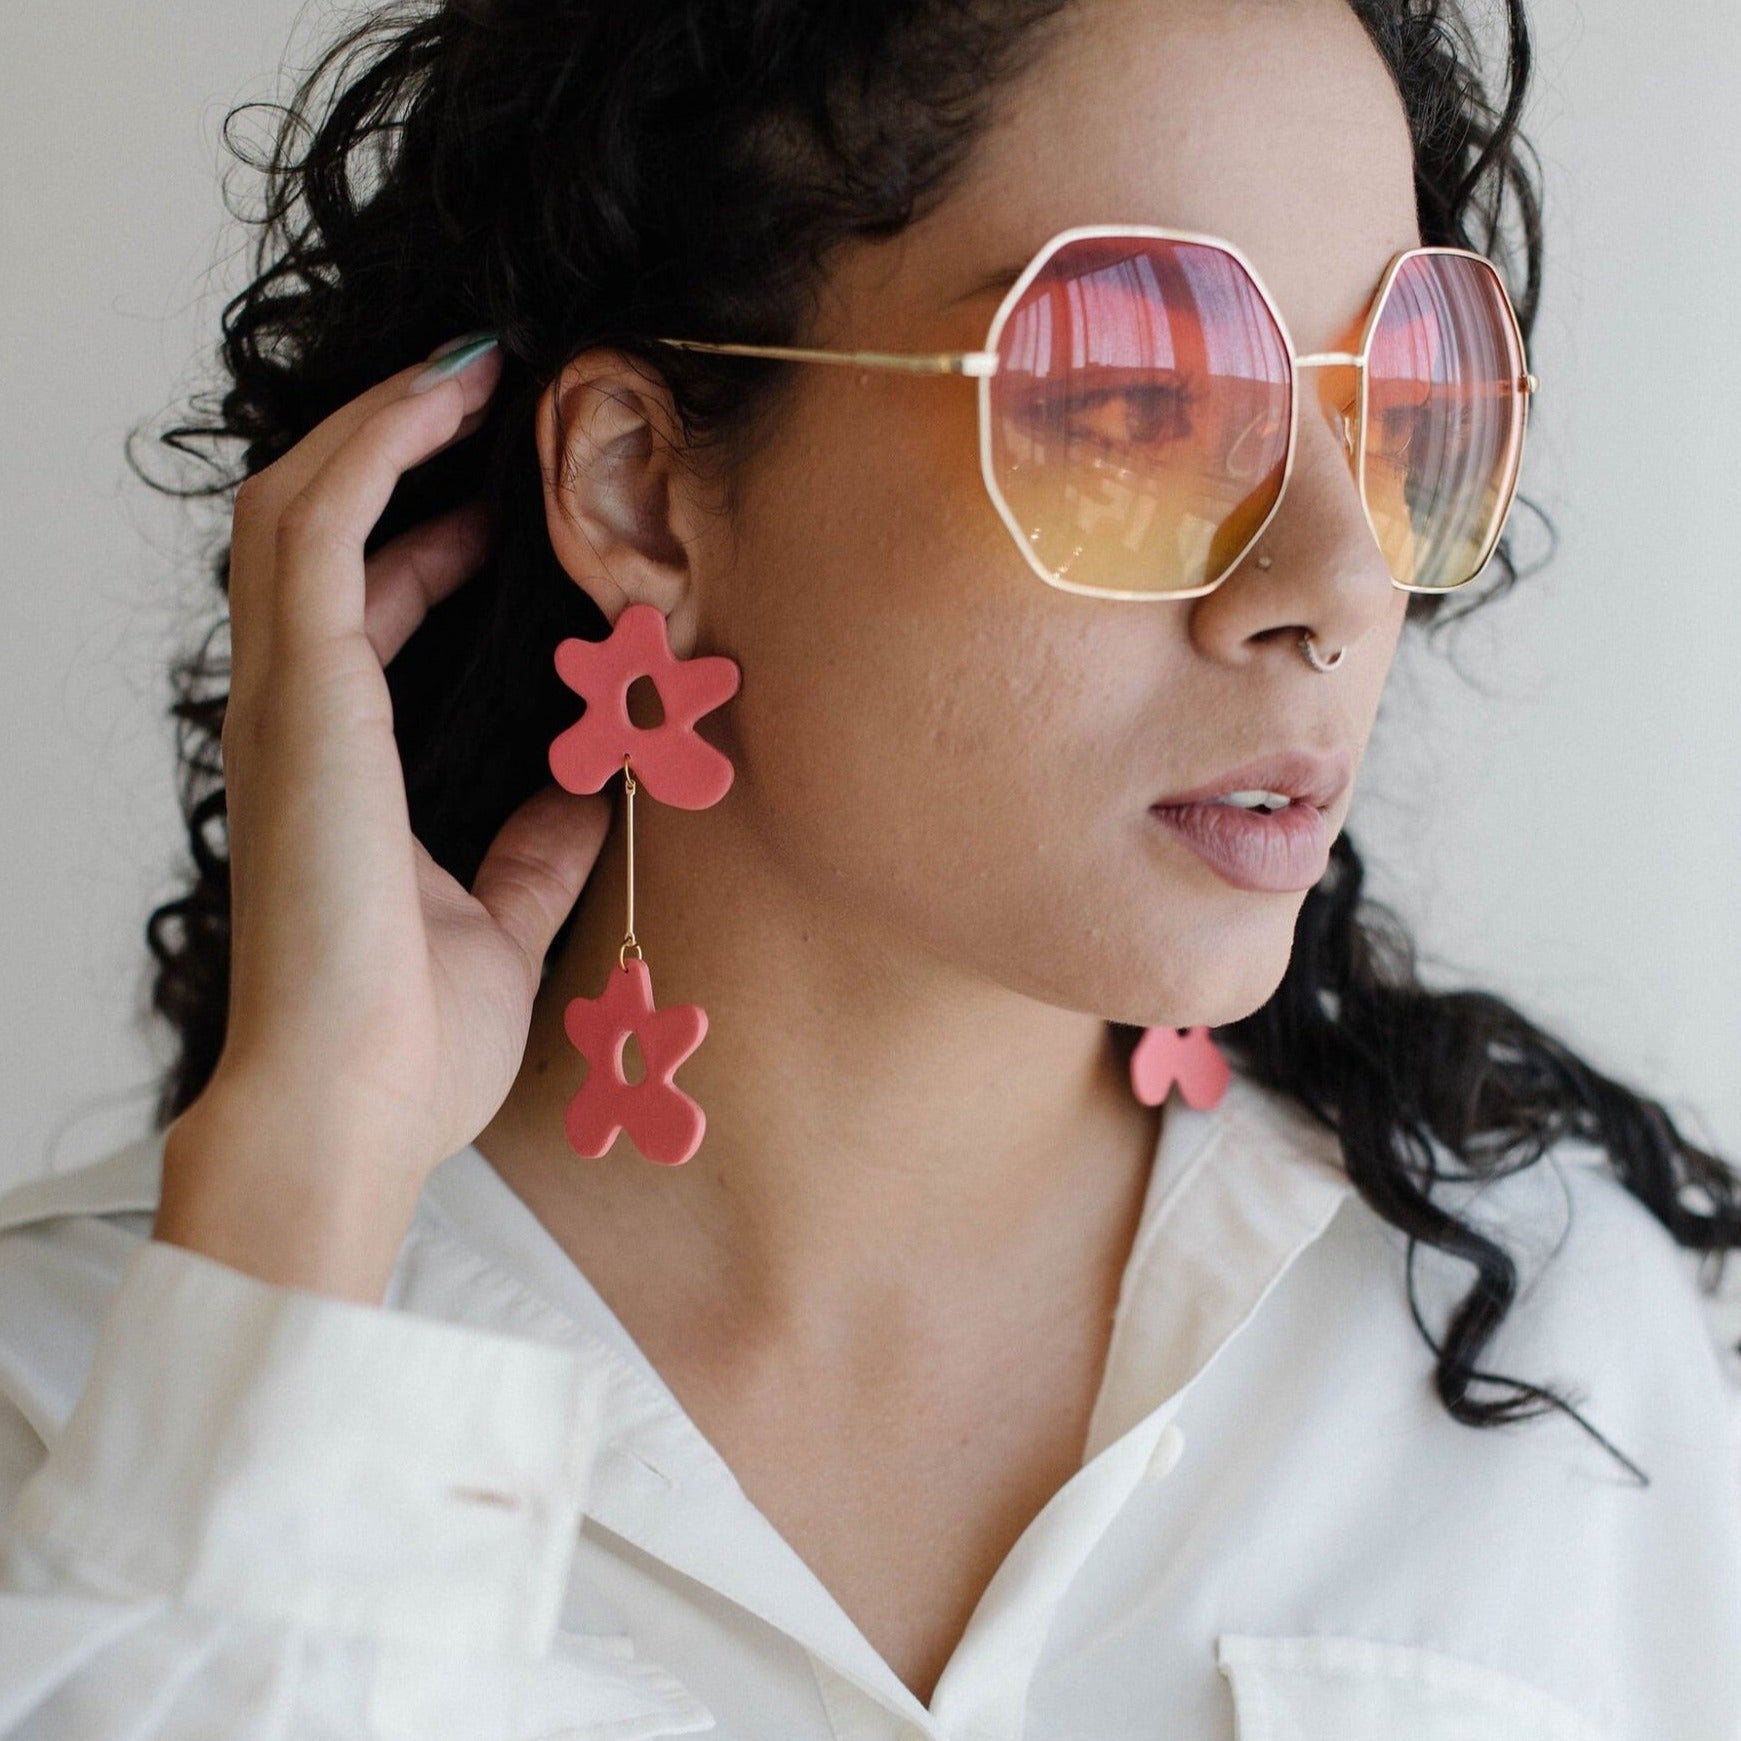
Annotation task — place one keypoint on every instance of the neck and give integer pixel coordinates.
(877, 1115)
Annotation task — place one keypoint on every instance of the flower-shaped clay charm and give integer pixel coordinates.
(675, 764)
(662, 1121)
(1188, 1057)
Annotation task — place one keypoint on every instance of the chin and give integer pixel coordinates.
(1226, 979)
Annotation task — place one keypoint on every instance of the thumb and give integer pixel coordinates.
(539, 862)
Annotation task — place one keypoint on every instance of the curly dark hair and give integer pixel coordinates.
(571, 174)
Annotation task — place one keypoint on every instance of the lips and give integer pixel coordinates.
(1283, 852)
(1304, 775)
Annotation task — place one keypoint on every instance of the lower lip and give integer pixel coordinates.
(1280, 853)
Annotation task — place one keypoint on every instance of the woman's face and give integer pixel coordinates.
(932, 743)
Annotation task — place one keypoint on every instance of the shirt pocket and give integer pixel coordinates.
(1329, 1687)
(591, 1687)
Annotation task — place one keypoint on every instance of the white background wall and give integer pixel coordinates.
(1555, 809)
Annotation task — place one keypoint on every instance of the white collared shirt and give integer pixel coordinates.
(476, 1513)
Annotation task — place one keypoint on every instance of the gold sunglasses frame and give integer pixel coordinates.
(983, 365)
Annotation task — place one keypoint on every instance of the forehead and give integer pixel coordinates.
(1272, 123)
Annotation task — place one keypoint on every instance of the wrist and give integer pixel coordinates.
(276, 1198)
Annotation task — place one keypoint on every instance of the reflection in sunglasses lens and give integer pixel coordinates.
(1444, 418)
(1139, 416)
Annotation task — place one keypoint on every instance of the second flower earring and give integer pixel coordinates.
(678, 767)
(1188, 1059)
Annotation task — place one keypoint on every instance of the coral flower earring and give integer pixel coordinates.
(1188, 1057)
(676, 766)
(663, 1122)
(679, 768)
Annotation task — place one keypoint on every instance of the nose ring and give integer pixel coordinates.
(1308, 651)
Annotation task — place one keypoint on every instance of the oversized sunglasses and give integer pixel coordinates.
(1139, 418)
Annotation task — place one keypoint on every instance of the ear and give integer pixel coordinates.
(619, 504)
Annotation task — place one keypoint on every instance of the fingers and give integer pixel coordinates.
(395, 428)
(318, 572)
(537, 865)
(417, 570)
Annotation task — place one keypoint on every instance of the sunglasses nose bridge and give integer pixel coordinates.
(1344, 426)
(1348, 417)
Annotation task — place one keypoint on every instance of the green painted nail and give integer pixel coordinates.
(451, 358)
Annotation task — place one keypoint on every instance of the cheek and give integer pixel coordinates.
(1377, 657)
(920, 715)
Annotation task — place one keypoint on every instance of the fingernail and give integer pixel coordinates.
(451, 358)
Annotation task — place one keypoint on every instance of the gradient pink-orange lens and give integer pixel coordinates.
(1445, 416)
(1139, 416)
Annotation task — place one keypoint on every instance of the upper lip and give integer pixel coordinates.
(1311, 778)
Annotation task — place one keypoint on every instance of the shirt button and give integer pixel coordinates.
(1166, 1453)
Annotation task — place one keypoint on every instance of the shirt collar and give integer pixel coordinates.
(1235, 1194)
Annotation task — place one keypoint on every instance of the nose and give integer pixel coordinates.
(1329, 578)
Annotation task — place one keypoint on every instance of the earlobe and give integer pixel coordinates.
(603, 430)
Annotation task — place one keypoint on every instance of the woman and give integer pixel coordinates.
(929, 1381)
